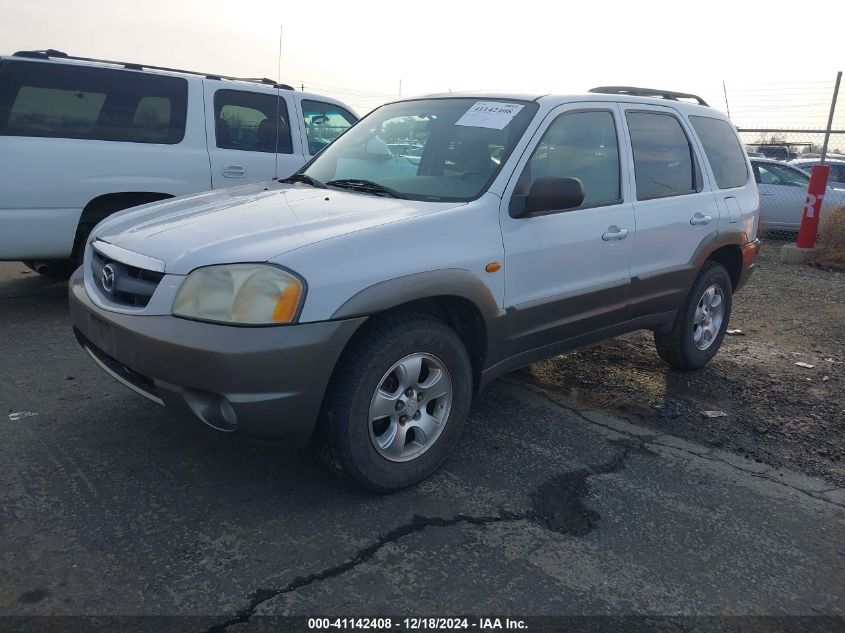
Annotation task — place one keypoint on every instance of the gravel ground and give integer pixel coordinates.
(777, 412)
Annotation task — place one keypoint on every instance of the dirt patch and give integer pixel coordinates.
(776, 412)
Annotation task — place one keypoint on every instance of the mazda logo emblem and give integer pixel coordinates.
(108, 278)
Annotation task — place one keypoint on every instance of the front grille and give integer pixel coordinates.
(129, 285)
(140, 382)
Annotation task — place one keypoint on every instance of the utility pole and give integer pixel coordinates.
(830, 116)
(400, 88)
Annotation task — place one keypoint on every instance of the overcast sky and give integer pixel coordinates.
(359, 51)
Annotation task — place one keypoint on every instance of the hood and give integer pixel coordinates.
(250, 223)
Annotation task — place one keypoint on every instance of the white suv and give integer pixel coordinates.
(438, 244)
(81, 139)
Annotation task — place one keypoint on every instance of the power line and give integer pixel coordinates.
(369, 93)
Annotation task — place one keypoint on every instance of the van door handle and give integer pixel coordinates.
(699, 219)
(234, 171)
(614, 233)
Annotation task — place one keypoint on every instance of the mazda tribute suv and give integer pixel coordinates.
(437, 244)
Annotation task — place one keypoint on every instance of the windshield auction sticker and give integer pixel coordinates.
(491, 114)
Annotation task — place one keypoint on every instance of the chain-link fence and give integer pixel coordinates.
(782, 124)
(781, 160)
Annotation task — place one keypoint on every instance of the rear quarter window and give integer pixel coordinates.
(723, 150)
(86, 102)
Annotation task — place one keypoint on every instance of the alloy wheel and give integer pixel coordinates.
(709, 314)
(410, 407)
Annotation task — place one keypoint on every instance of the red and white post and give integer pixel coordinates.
(813, 206)
(817, 187)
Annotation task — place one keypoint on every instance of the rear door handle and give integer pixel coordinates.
(614, 233)
(699, 219)
(234, 171)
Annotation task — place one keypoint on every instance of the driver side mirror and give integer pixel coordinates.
(548, 194)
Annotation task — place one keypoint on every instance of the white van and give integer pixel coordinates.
(83, 138)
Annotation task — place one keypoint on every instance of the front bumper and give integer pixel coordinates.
(750, 252)
(263, 382)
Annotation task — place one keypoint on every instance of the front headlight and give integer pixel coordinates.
(249, 294)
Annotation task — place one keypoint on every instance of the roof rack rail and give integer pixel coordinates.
(51, 53)
(647, 92)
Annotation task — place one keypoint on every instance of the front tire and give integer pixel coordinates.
(398, 402)
(700, 325)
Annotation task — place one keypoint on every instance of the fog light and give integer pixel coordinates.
(213, 409)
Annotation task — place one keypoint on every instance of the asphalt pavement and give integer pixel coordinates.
(109, 505)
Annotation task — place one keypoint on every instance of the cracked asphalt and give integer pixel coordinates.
(111, 506)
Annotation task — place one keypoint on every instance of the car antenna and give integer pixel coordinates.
(278, 108)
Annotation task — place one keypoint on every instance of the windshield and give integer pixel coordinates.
(428, 149)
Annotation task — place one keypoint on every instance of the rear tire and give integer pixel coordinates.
(93, 213)
(398, 402)
(63, 268)
(83, 231)
(56, 269)
(700, 325)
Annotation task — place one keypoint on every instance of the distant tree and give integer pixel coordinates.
(776, 138)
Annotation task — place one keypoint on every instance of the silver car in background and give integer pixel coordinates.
(783, 191)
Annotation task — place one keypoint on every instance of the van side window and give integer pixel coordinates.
(324, 122)
(664, 161)
(152, 117)
(582, 145)
(245, 121)
(86, 102)
(723, 151)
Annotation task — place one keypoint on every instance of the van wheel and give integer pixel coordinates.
(701, 323)
(397, 403)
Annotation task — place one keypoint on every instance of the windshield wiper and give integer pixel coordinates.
(308, 180)
(365, 186)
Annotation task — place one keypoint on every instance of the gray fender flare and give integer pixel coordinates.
(715, 240)
(434, 283)
(448, 282)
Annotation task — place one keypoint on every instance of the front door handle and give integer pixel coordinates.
(234, 171)
(614, 233)
(699, 219)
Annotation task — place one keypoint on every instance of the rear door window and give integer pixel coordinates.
(723, 150)
(664, 161)
(87, 102)
(252, 122)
